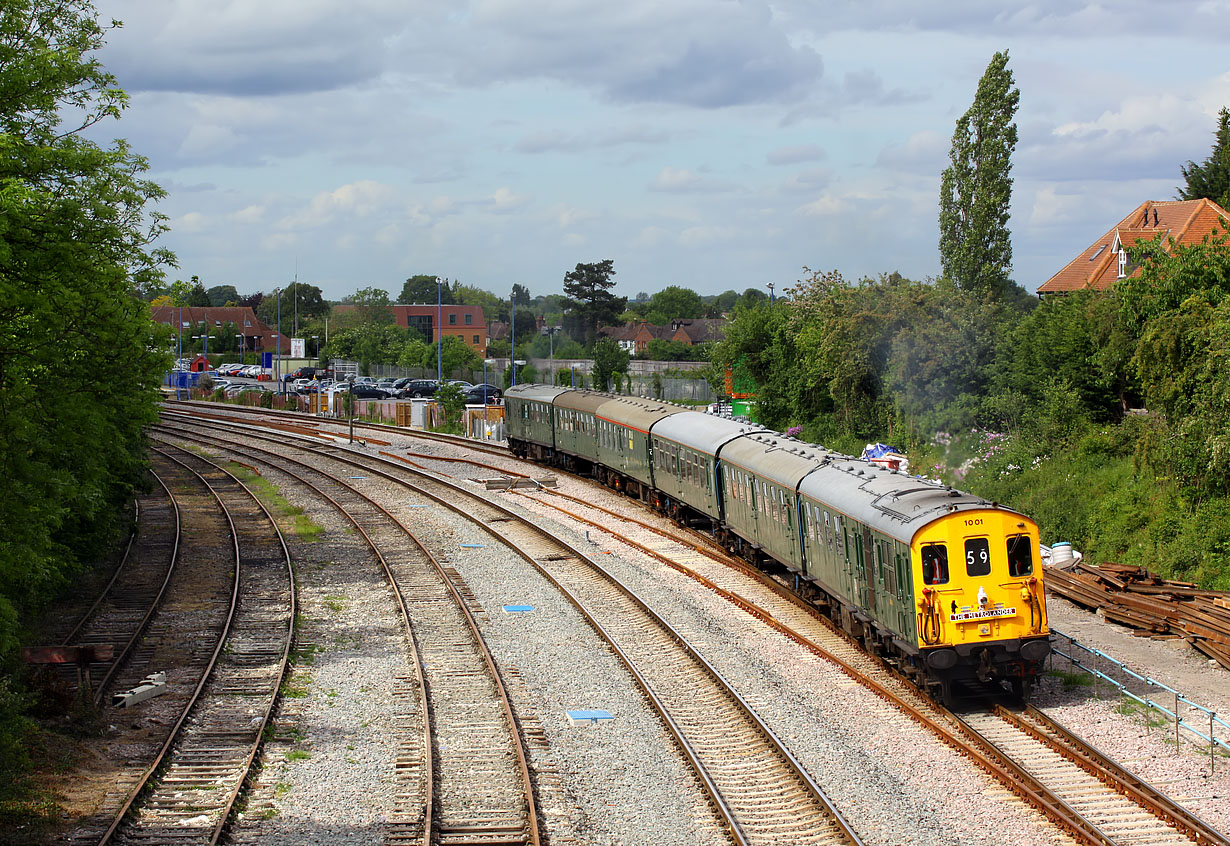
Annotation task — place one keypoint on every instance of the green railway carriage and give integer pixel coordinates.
(529, 416)
(576, 428)
(685, 448)
(623, 425)
(760, 477)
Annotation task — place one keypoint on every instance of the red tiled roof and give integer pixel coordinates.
(1187, 222)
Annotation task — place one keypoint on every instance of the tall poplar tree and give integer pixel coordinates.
(976, 189)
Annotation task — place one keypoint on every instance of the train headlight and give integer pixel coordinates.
(982, 596)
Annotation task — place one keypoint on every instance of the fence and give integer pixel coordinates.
(1141, 689)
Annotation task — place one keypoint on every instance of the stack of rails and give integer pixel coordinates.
(1150, 605)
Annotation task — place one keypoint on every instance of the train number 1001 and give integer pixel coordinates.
(976, 521)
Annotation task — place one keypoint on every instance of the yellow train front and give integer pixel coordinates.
(946, 585)
(981, 612)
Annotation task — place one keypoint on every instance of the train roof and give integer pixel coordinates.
(637, 412)
(892, 502)
(776, 457)
(535, 392)
(588, 401)
(702, 432)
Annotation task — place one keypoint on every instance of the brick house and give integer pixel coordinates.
(200, 320)
(1106, 260)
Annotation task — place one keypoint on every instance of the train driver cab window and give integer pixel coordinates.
(935, 564)
(977, 557)
(1020, 556)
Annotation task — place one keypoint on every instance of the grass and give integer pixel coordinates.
(301, 525)
(1071, 679)
(296, 688)
(336, 604)
(1152, 716)
(281, 789)
(304, 654)
(298, 755)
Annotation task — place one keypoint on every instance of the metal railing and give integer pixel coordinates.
(1146, 691)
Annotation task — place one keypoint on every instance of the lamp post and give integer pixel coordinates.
(486, 395)
(512, 325)
(772, 299)
(574, 375)
(350, 402)
(439, 333)
(277, 367)
(517, 362)
(316, 338)
(243, 345)
(551, 354)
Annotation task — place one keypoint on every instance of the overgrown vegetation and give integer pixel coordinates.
(76, 236)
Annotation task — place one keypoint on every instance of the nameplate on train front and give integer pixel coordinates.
(985, 614)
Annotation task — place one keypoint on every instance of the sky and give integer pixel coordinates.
(710, 144)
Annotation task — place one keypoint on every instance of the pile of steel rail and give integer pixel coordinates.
(1150, 605)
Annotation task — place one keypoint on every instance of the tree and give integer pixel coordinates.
(609, 358)
(674, 302)
(455, 354)
(591, 303)
(305, 300)
(421, 289)
(521, 294)
(372, 305)
(76, 252)
(1211, 179)
(976, 189)
(221, 295)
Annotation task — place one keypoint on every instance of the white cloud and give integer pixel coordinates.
(795, 154)
(355, 200)
(505, 200)
(681, 181)
(191, 222)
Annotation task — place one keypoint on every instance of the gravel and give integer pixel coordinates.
(600, 784)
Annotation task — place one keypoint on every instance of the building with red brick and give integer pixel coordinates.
(1107, 260)
(197, 320)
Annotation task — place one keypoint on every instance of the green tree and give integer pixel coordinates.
(591, 303)
(976, 189)
(371, 305)
(1211, 179)
(76, 249)
(609, 358)
(421, 289)
(674, 302)
(452, 402)
(305, 301)
(455, 354)
(221, 295)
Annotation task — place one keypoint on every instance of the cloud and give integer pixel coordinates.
(505, 201)
(557, 141)
(674, 181)
(701, 53)
(243, 48)
(795, 154)
(805, 181)
(355, 200)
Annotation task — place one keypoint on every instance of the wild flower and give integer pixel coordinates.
(794, 431)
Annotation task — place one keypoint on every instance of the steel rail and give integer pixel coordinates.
(719, 801)
(1098, 764)
(124, 652)
(85, 618)
(424, 699)
(173, 735)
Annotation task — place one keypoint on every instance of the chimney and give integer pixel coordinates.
(1155, 217)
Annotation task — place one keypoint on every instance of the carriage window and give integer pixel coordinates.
(935, 564)
(1020, 556)
(977, 557)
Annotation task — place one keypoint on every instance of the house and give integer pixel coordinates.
(1106, 260)
(201, 320)
(635, 337)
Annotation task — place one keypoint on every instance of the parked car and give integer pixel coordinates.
(484, 395)
(252, 371)
(421, 388)
(362, 390)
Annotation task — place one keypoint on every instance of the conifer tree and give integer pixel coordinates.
(1211, 179)
(976, 189)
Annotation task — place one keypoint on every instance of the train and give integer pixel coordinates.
(943, 585)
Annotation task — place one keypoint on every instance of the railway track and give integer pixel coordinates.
(462, 768)
(1082, 790)
(186, 793)
(761, 791)
(1112, 807)
(130, 598)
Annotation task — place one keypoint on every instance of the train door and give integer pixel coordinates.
(858, 570)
